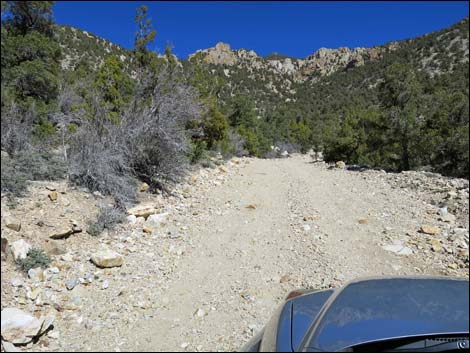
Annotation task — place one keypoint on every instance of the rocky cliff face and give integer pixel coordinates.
(321, 63)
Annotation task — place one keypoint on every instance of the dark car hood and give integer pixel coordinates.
(379, 309)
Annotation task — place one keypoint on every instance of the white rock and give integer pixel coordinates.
(107, 258)
(36, 274)
(67, 257)
(16, 282)
(105, 284)
(157, 219)
(9, 347)
(132, 219)
(19, 327)
(200, 313)
(399, 249)
(20, 249)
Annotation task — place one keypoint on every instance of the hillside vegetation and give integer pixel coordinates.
(78, 106)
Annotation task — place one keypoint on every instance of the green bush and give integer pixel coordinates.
(36, 258)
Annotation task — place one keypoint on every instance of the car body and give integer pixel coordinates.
(370, 313)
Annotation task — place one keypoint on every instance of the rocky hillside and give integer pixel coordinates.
(323, 62)
(82, 46)
(276, 74)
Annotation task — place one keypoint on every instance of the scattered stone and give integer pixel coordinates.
(17, 282)
(132, 219)
(12, 223)
(251, 206)
(98, 194)
(107, 258)
(200, 313)
(19, 327)
(105, 284)
(436, 245)
(429, 230)
(306, 228)
(9, 347)
(363, 221)
(67, 257)
(36, 274)
(53, 196)
(443, 211)
(184, 345)
(142, 211)
(398, 249)
(157, 219)
(33, 295)
(448, 217)
(62, 234)
(147, 230)
(54, 248)
(144, 187)
(340, 164)
(71, 283)
(285, 279)
(20, 249)
(4, 245)
(50, 188)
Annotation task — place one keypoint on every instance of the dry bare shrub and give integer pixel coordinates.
(150, 142)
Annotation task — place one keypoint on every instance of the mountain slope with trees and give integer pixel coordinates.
(72, 100)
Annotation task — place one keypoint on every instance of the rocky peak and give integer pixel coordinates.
(327, 61)
(322, 62)
(221, 54)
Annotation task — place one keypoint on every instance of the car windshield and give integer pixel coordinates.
(376, 310)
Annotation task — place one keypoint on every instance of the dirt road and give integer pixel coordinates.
(276, 225)
(237, 240)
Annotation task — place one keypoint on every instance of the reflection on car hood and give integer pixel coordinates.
(379, 309)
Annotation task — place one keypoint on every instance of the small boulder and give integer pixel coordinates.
(20, 249)
(62, 234)
(19, 327)
(157, 219)
(4, 245)
(36, 274)
(398, 249)
(223, 169)
(426, 229)
(143, 187)
(436, 245)
(340, 164)
(17, 282)
(12, 223)
(71, 283)
(53, 196)
(132, 219)
(54, 248)
(142, 211)
(107, 258)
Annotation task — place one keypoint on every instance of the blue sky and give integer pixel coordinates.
(292, 28)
